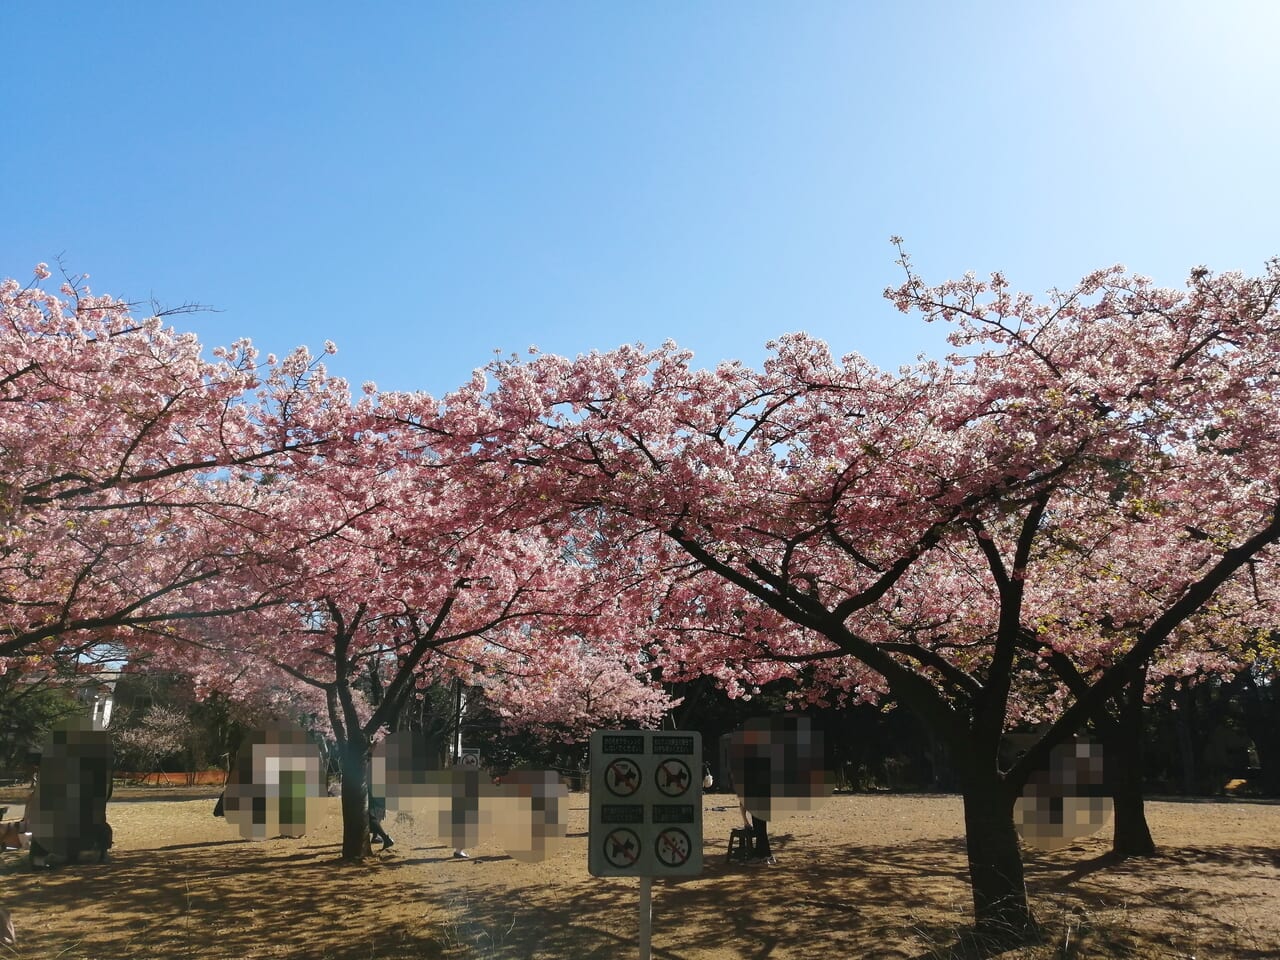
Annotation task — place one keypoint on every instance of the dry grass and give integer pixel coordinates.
(865, 877)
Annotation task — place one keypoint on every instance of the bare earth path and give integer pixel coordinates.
(863, 877)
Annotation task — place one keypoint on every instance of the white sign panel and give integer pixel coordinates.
(646, 803)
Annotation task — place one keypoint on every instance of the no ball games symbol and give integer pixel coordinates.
(622, 848)
(673, 777)
(673, 847)
(622, 777)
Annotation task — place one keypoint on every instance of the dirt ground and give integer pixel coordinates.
(863, 877)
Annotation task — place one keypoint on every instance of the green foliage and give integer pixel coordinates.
(27, 710)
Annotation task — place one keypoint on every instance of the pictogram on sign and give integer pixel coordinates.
(646, 804)
(673, 777)
(622, 777)
(672, 847)
(622, 848)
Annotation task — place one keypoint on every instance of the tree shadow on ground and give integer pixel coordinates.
(905, 901)
(908, 900)
(240, 899)
(201, 844)
(1181, 889)
(1057, 874)
(195, 901)
(840, 901)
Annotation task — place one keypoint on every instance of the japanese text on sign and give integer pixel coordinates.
(646, 804)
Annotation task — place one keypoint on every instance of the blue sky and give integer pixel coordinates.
(426, 183)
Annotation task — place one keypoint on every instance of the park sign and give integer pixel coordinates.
(646, 803)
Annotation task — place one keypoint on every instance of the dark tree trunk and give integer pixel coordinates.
(1262, 721)
(1266, 739)
(1183, 722)
(995, 863)
(1132, 836)
(355, 802)
(1124, 761)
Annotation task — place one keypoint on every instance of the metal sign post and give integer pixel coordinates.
(646, 810)
(646, 917)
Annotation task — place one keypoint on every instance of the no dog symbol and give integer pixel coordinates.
(622, 777)
(673, 777)
(622, 848)
(673, 847)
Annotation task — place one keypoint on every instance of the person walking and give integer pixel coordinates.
(378, 810)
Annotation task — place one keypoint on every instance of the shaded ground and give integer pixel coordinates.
(864, 877)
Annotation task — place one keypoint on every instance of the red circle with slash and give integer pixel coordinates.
(673, 847)
(622, 777)
(673, 777)
(622, 848)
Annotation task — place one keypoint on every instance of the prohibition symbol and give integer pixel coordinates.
(672, 777)
(622, 777)
(673, 847)
(622, 848)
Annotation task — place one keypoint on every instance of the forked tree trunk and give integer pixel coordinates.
(995, 863)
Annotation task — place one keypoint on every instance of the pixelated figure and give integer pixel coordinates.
(398, 772)
(404, 778)
(377, 809)
(530, 813)
(778, 769)
(1067, 801)
(273, 783)
(67, 811)
(798, 779)
(12, 831)
(457, 807)
(8, 937)
(462, 803)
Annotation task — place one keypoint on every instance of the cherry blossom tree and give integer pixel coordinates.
(1132, 557)
(566, 691)
(165, 502)
(1087, 486)
(397, 573)
(1083, 478)
(160, 732)
(1206, 648)
(119, 451)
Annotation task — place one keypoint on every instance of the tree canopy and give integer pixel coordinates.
(1083, 495)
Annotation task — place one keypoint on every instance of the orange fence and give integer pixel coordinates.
(199, 778)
